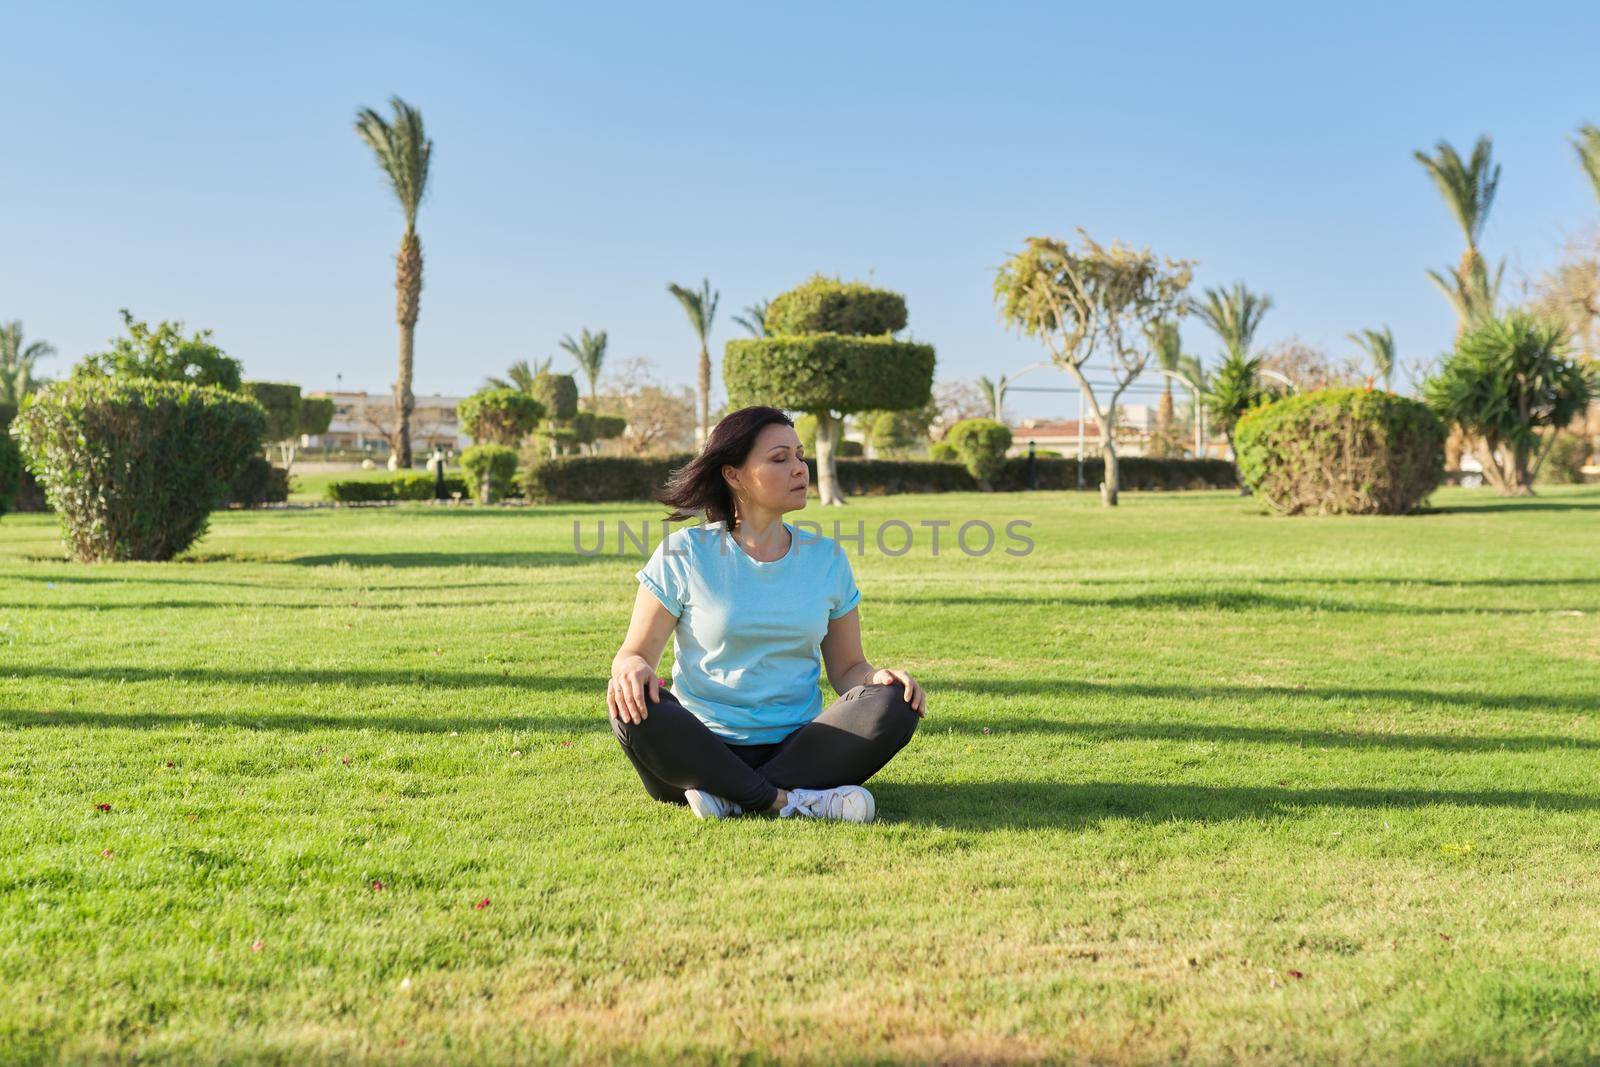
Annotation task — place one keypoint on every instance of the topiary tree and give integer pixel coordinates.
(289, 415)
(980, 445)
(491, 471)
(134, 466)
(499, 416)
(316, 415)
(1341, 451)
(831, 352)
(1510, 378)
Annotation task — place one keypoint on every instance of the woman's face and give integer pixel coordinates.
(774, 476)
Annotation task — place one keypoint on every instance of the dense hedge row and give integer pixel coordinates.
(593, 479)
(259, 482)
(404, 485)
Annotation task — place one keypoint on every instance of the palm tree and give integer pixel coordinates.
(1588, 146)
(754, 318)
(519, 376)
(1234, 315)
(701, 307)
(403, 151)
(994, 394)
(590, 352)
(1468, 187)
(17, 361)
(1168, 348)
(1379, 347)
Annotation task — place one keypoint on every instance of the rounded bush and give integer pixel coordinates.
(943, 452)
(491, 471)
(981, 445)
(1341, 451)
(828, 305)
(847, 449)
(499, 416)
(135, 466)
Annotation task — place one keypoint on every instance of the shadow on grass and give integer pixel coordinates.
(92, 606)
(442, 559)
(1265, 735)
(1067, 689)
(1516, 505)
(1210, 600)
(306, 676)
(1074, 805)
(182, 718)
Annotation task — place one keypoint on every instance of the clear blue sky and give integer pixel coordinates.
(196, 161)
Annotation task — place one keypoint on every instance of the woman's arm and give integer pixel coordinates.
(633, 669)
(848, 667)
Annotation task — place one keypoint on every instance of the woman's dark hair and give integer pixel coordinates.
(698, 486)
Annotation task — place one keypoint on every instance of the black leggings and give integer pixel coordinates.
(845, 745)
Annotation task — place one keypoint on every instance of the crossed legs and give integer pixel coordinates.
(848, 743)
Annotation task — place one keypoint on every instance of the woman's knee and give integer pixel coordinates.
(659, 715)
(893, 715)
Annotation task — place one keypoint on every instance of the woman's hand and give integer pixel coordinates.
(631, 680)
(893, 676)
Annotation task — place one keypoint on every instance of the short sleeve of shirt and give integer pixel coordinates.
(845, 594)
(661, 575)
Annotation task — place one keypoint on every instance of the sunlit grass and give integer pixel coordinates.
(1195, 784)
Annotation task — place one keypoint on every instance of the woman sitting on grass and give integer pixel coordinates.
(749, 601)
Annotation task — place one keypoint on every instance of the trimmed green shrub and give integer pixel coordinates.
(499, 416)
(981, 445)
(875, 372)
(591, 479)
(557, 394)
(316, 415)
(1341, 451)
(281, 401)
(943, 452)
(259, 482)
(135, 466)
(1134, 472)
(404, 485)
(851, 448)
(491, 471)
(828, 305)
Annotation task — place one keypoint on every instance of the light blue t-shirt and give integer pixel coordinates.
(746, 653)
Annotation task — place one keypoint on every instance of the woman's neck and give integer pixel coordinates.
(762, 534)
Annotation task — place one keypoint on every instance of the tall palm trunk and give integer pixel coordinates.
(408, 299)
(703, 430)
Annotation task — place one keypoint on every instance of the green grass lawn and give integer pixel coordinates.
(1195, 784)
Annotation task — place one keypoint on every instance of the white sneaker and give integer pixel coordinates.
(848, 803)
(710, 806)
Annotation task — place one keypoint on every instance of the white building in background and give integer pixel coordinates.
(362, 421)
